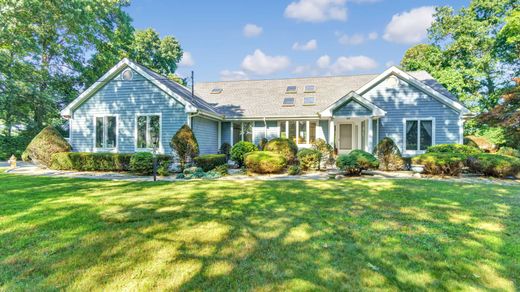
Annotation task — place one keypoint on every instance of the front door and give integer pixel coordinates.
(346, 137)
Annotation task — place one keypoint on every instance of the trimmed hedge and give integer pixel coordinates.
(309, 159)
(494, 165)
(210, 161)
(389, 155)
(356, 161)
(44, 145)
(265, 162)
(141, 163)
(454, 148)
(450, 164)
(509, 151)
(283, 146)
(240, 149)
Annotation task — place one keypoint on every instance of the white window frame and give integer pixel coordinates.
(105, 149)
(417, 151)
(137, 149)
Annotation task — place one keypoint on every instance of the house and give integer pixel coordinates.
(131, 106)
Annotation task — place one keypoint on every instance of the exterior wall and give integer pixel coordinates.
(206, 133)
(352, 108)
(324, 125)
(407, 101)
(225, 133)
(125, 99)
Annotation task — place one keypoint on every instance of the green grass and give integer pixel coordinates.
(59, 233)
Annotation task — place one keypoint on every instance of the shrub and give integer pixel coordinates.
(222, 170)
(13, 145)
(348, 164)
(240, 149)
(262, 143)
(225, 149)
(283, 146)
(265, 162)
(325, 149)
(210, 161)
(509, 151)
(454, 148)
(294, 170)
(46, 143)
(450, 164)
(365, 159)
(389, 155)
(142, 163)
(309, 159)
(193, 172)
(356, 161)
(86, 161)
(185, 145)
(163, 168)
(481, 143)
(494, 165)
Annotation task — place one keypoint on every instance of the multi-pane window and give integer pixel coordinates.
(247, 131)
(148, 131)
(419, 134)
(302, 132)
(292, 131)
(237, 132)
(106, 132)
(298, 132)
(312, 132)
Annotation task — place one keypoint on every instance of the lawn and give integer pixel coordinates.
(60, 233)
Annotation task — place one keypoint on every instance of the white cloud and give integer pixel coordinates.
(323, 62)
(309, 46)
(410, 27)
(317, 10)
(252, 30)
(187, 60)
(373, 36)
(228, 75)
(345, 64)
(262, 64)
(355, 39)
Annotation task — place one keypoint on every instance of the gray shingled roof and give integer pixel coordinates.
(260, 98)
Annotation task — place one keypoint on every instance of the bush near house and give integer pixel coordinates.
(240, 149)
(283, 146)
(225, 149)
(141, 163)
(495, 165)
(450, 164)
(46, 143)
(454, 148)
(356, 161)
(210, 161)
(389, 155)
(309, 159)
(509, 151)
(265, 162)
(326, 151)
(185, 145)
(294, 170)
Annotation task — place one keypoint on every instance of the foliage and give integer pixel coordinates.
(495, 135)
(240, 149)
(185, 145)
(441, 163)
(88, 161)
(142, 163)
(509, 151)
(222, 170)
(163, 167)
(294, 170)
(325, 149)
(225, 148)
(388, 155)
(309, 159)
(481, 143)
(356, 161)
(262, 143)
(495, 165)
(46, 143)
(454, 148)
(265, 162)
(283, 146)
(422, 57)
(210, 161)
(193, 172)
(13, 145)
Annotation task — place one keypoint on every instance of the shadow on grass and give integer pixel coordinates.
(221, 235)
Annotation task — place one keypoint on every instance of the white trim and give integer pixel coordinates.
(376, 111)
(417, 152)
(136, 116)
(461, 130)
(370, 136)
(70, 131)
(410, 79)
(231, 134)
(103, 149)
(219, 137)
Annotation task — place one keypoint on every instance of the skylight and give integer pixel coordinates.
(288, 101)
(291, 89)
(311, 100)
(310, 88)
(216, 91)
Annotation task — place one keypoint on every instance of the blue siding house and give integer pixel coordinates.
(131, 106)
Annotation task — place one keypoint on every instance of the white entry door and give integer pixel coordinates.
(346, 137)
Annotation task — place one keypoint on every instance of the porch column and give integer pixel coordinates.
(231, 134)
(331, 133)
(219, 137)
(370, 136)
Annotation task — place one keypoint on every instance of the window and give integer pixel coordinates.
(419, 134)
(288, 101)
(302, 132)
(247, 132)
(283, 129)
(291, 89)
(148, 131)
(309, 101)
(106, 132)
(237, 132)
(312, 132)
(292, 131)
(216, 90)
(310, 88)
(127, 75)
(298, 132)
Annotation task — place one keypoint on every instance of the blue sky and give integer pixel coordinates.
(258, 39)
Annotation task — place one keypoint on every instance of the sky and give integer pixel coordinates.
(264, 39)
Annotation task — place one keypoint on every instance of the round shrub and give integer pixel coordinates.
(450, 164)
(142, 163)
(454, 148)
(265, 162)
(309, 159)
(222, 170)
(210, 161)
(356, 161)
(494, 165)
(240, 149)
(294, 170)
(389, 155)
(509, 151)
(46, 143)
(481, 143)
(283, 146)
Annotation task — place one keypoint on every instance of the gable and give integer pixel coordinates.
(352, 108)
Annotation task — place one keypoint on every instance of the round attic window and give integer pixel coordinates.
(392, 81)
(128, 74)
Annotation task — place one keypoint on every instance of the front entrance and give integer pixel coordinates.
(347, 137)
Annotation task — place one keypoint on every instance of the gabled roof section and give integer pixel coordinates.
(173, 89)
(353, 96)
(440, 95)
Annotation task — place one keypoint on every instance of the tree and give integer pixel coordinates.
(185, 145)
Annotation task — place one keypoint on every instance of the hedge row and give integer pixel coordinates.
(210, 161)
